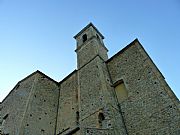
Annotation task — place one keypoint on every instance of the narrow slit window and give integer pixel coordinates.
(101, 118)
(77, 117)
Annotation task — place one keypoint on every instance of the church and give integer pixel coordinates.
(122, 95)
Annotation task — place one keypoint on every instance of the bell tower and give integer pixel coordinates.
(89, 45)
(95, 93)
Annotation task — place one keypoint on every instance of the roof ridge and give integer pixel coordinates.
(125, 48)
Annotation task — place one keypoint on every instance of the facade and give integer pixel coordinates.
(123, 95)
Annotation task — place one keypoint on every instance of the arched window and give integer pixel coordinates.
(84, 37)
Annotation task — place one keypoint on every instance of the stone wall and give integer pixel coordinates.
(14, 106)
(68, 111)
(31, 107)
(151, 107)
(96, 98)
(41, 112)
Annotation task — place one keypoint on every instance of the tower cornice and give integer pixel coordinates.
(90, 24)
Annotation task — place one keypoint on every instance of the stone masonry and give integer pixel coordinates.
(123, 95)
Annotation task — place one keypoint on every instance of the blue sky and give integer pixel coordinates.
(38, 35)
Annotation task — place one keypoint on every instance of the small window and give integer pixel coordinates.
(77, 117)
(121, 91)
(101, 118)
(84, 37)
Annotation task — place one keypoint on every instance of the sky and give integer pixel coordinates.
(38, 35)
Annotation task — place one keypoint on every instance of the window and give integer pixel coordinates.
(121, 91)
(77, 117)
(101, 118)
(84, 37)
